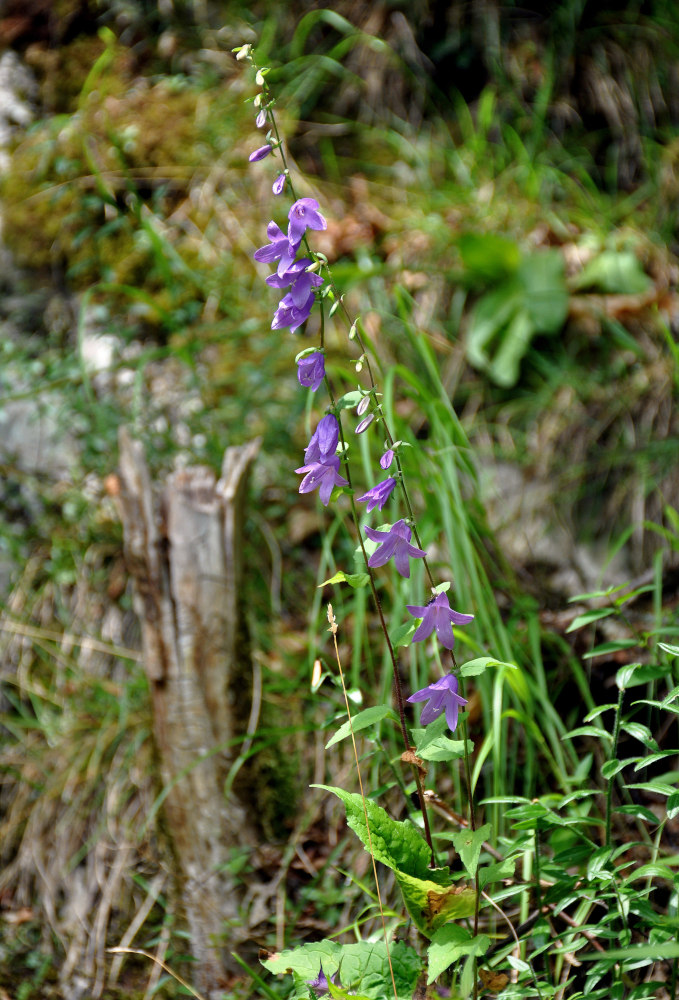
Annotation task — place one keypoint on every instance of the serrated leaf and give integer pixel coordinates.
(448, 945)
(468, 845)
(362, 720)
(588, 617)
(364, 965)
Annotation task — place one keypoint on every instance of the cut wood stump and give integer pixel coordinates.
(183, 548)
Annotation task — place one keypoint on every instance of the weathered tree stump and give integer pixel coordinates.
(184, 552)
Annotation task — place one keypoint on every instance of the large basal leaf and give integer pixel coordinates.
(363, 966)
(429, 894)
(615, 272)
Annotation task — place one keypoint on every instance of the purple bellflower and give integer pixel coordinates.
(304, 215)
(442, 694)
(387, 459)
(320, 984)
(396, 543)
(323, 443)
(321, 465)
(378, 495)
(260, 153)
(438, 615)
(278, 184)
(311, 370)
(288, 314)
(279, 248)
(300, 280)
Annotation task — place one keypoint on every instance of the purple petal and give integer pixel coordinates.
(260, 153)
(387, 459)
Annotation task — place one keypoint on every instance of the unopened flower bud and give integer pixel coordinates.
(365, 423)
(363, 405)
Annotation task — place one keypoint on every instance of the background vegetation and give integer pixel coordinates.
(501, 185)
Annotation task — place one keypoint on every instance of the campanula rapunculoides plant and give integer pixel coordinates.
(434, 900)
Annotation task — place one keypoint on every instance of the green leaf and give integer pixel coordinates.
(667, 648)
(641, 812)
(354, 580)
(401, 635)
(396, 844)
(641, 733)
(468, 845)
(428, 893)
(496, 872)
(364, 965)
(673, 806)
(660, 952)
(587, 731)
(545, 294)
(449, 944)
(473, 667)
(488, 256)
(443, 749)
(611, 767)
(588, 617)
(610, 647)
(613, 272)
(362, 720)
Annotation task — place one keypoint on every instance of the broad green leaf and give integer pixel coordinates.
(588, 617)
(650, 871)
(496, 872)
(429, 894)
(641, 733)
(362, 720)
(656, 787)
(397, 844)
(488, 256)
(349, 399)
(473, 667)
(354, 580)
(449, 944)
(613, 272)
(364, 965)
(443, 749)
(468, 845)
(545, 294)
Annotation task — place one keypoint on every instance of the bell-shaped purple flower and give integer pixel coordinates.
(442, 695)
(289, 314)
(304, 215)
(311, 370)
(387, 459)
(278, 248)
(323, 476)
(438, 616)
(378, 495)
(396, 543)
(300, 280)
(323, 443)
(260, 153)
